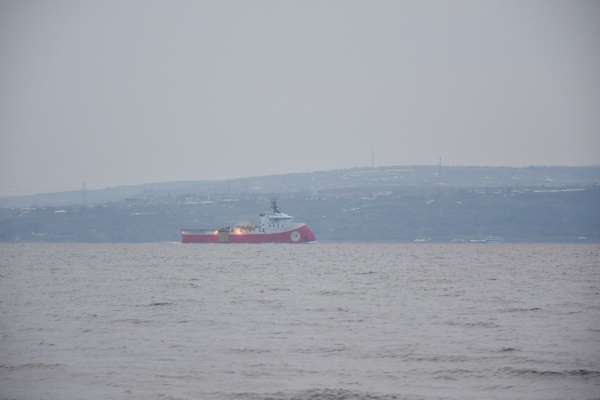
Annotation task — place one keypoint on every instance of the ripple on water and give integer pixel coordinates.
(321, 394)
(329, 321)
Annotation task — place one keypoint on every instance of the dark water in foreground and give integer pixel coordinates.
(305, 322)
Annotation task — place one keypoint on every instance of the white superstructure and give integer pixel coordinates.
(276, 221)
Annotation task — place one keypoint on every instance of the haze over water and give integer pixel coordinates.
(332, 321)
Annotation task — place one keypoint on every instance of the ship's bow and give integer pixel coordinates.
(307, 234)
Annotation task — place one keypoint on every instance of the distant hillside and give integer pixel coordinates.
(390, 177)
(396, 203)
(437, 214)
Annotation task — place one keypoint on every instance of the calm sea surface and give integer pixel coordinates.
(305, 322)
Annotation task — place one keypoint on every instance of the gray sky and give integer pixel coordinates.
(111, 92)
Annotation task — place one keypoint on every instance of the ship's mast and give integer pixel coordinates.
(274, 207)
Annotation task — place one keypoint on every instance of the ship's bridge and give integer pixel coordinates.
(276, 221)
(279, 216)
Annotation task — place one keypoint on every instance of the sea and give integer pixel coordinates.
(299, 322)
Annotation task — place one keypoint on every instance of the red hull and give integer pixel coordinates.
(302, 234)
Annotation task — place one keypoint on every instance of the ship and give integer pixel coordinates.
(272, 227)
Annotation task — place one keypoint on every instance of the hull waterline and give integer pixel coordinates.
(303, 234)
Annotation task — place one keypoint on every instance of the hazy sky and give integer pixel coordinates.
(124, 92)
